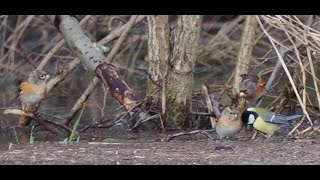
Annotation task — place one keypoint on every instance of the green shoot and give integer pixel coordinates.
(78, 139)
(31, 139)
(16, 135)
(76, 124)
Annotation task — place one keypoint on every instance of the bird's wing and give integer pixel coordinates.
(266, 115)
(282, 119)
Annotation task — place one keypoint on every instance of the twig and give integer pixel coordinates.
(201, 113)
(55, 49)
(121, 38)
(163, 96)
(171, 136)
(59, 124)
(36, 117)
(283, 52)
(103, 120)
(40, 120)
(161, 121)
(225, 87)
(104, 101)
(296, 127)
(312, 70)
(306, 130)
(63, 74)
(116, 33)
(110, 21)
(140, 121)
(18, 112)
(114, 123)
(76, 107)
(18, 32)
(286, 70)
(214, 110)
(112, 116)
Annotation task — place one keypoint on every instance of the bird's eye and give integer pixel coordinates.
(42, 76)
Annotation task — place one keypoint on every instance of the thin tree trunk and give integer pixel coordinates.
(245, 51)
(158, 52)
(180, 75)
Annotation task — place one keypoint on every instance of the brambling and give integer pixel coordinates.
(32, 92)
(265, 121)
(229, 123)
(251, 87)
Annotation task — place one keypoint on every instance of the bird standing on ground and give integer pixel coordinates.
(32, 92)
(265, 121)
(229, 123)
(251, 87)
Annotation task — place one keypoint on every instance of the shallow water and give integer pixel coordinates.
(5, 139)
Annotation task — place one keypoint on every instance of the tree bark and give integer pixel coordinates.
(245, 53)
(158, 52)
(180, 75)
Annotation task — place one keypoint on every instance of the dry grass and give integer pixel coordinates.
(29, 42)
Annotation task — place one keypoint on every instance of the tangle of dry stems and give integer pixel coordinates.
(299, 34)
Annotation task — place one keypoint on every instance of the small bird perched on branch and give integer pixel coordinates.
(32, 92)
(229, 123)
(251, 87)
(265, 121)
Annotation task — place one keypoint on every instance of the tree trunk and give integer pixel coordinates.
(158, 53)
(245, 52)
(180, 75)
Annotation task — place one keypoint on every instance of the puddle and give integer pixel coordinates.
(6, 137)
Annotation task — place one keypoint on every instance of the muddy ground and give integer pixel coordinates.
(139, 148)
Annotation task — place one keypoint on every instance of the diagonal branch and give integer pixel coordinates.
(95, 80)
(56, 48)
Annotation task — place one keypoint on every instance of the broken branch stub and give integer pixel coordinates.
(117, 87)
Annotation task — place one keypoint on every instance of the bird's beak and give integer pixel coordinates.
(47, 76)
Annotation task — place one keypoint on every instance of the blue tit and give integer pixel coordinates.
(229, 123)
(265, 121)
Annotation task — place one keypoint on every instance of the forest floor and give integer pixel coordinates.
(140, 148)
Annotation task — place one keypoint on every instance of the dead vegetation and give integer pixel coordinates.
(285, 51)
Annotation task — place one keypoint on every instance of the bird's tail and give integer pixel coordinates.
(283, 119)
(289, 118)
